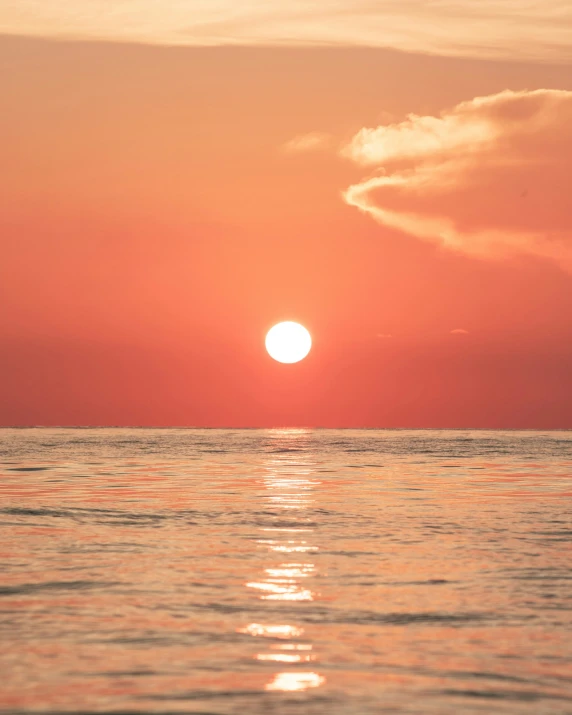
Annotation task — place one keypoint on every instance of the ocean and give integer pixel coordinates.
(312, 572)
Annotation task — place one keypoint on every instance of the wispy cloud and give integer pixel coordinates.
(314, 141)
(488, 177)
(459, 331)
(536, 29)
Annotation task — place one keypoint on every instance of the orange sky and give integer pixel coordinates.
(162, 207)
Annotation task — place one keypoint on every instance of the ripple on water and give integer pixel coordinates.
(309, 572)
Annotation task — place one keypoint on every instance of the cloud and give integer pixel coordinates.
(384, 336)
(314, 141)
(487, 178)
(459, 331)
(510, 29)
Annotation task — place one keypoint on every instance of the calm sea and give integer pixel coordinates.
(285, 571)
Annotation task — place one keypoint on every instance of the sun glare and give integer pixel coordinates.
(288, 342)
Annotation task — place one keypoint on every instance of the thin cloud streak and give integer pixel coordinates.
(304, 143)
(505, 29)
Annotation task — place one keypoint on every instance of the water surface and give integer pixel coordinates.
(285, 571)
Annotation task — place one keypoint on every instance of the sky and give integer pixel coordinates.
(178, 178)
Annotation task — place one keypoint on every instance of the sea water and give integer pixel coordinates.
(285, 571)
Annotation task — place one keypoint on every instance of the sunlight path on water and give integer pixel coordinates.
(289, 484)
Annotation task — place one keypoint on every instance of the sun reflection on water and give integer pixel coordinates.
(295, 681)
(286, 657)
(288, 485)
(256, 629)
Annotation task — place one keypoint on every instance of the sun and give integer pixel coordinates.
(288, 342)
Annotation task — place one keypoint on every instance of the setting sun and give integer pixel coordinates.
(288, 342)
